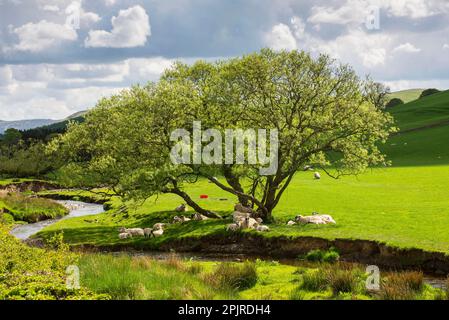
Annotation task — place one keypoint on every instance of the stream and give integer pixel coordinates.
(77, 209)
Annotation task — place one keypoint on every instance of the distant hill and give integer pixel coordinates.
(406, 95)
(24, 125)
(424, 132)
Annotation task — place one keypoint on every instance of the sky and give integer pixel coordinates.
(58, 57)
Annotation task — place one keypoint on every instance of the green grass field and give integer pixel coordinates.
(406, 205)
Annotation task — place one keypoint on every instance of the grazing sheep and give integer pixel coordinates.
(159, 226)
(317, 176)
(181, 208)
(233, 227)
(157, 233)
(148, 232)
(263, 228)
(241, 208)
(199, 217)
(124, 235)
(291, 223)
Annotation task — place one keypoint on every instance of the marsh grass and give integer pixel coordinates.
(402, 286)
(142, 278)
(231, 276)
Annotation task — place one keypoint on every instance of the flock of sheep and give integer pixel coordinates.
(243, 218)
(158, 229)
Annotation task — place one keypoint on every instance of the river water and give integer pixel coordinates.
(77, 209)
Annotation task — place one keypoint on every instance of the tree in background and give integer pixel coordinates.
(393, 103)
(428, 92)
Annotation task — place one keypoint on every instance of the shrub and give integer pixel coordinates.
(314, 281)
(393, 103)
(341, 280)
(234, 276)
(318, 255)
(402, 286)
(429, 92)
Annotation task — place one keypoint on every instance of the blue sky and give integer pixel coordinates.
(60, 56)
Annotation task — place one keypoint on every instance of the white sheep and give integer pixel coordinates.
(240, 216)
(326, 218)
(317, 176)
(291, 223)
(249, 223)
(157, 233)
(310, 219)
(124, 235)
(159, 226)
(233, 227)
(263, 228)
(199, 217)
(136, 232)
(147, 232)
(259, 220)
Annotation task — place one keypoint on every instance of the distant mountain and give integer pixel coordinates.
(34, 123)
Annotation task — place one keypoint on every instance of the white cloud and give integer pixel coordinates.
(446, 46)
(109, 2)
(406, 47)
(130, 28)
(280, 38)
(298, 26)
(42, 35)
(50, 8)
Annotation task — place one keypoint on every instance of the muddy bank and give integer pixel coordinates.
(359, 251)
(75, 197)
(30, 186)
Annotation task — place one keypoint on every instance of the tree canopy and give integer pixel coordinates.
(324, 114)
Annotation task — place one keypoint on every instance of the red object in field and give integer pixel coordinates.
(204, 196)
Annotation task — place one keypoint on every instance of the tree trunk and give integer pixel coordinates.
(234, 182)
(194, 205)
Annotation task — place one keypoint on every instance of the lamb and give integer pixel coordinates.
(233, 227)
(181, 208)
(180, 219)
(157, 233)
(263, 228)
(136, 232)
(317, 176)
(291, 223)
(249, 223)
(310, 219)
(124, 235)
(240, 216)
(241, 208)
(159, 226)
(148, 232)
(199, 217)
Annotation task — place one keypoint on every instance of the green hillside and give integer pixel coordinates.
(406, 95)
(424, 135)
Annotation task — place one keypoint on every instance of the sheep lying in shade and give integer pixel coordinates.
(249, 223)
(180, 219)
(241, 208)
(199, 217)
(124, 235)
(233, 227)
(159, 226)
(157, 233)
(263, 228)
(240, 216)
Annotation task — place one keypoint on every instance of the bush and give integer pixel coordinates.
(402, 286)
(234, 276)
(342, 280)
(428, 92)
(314, 281)
(318, 255)
(394, 102)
